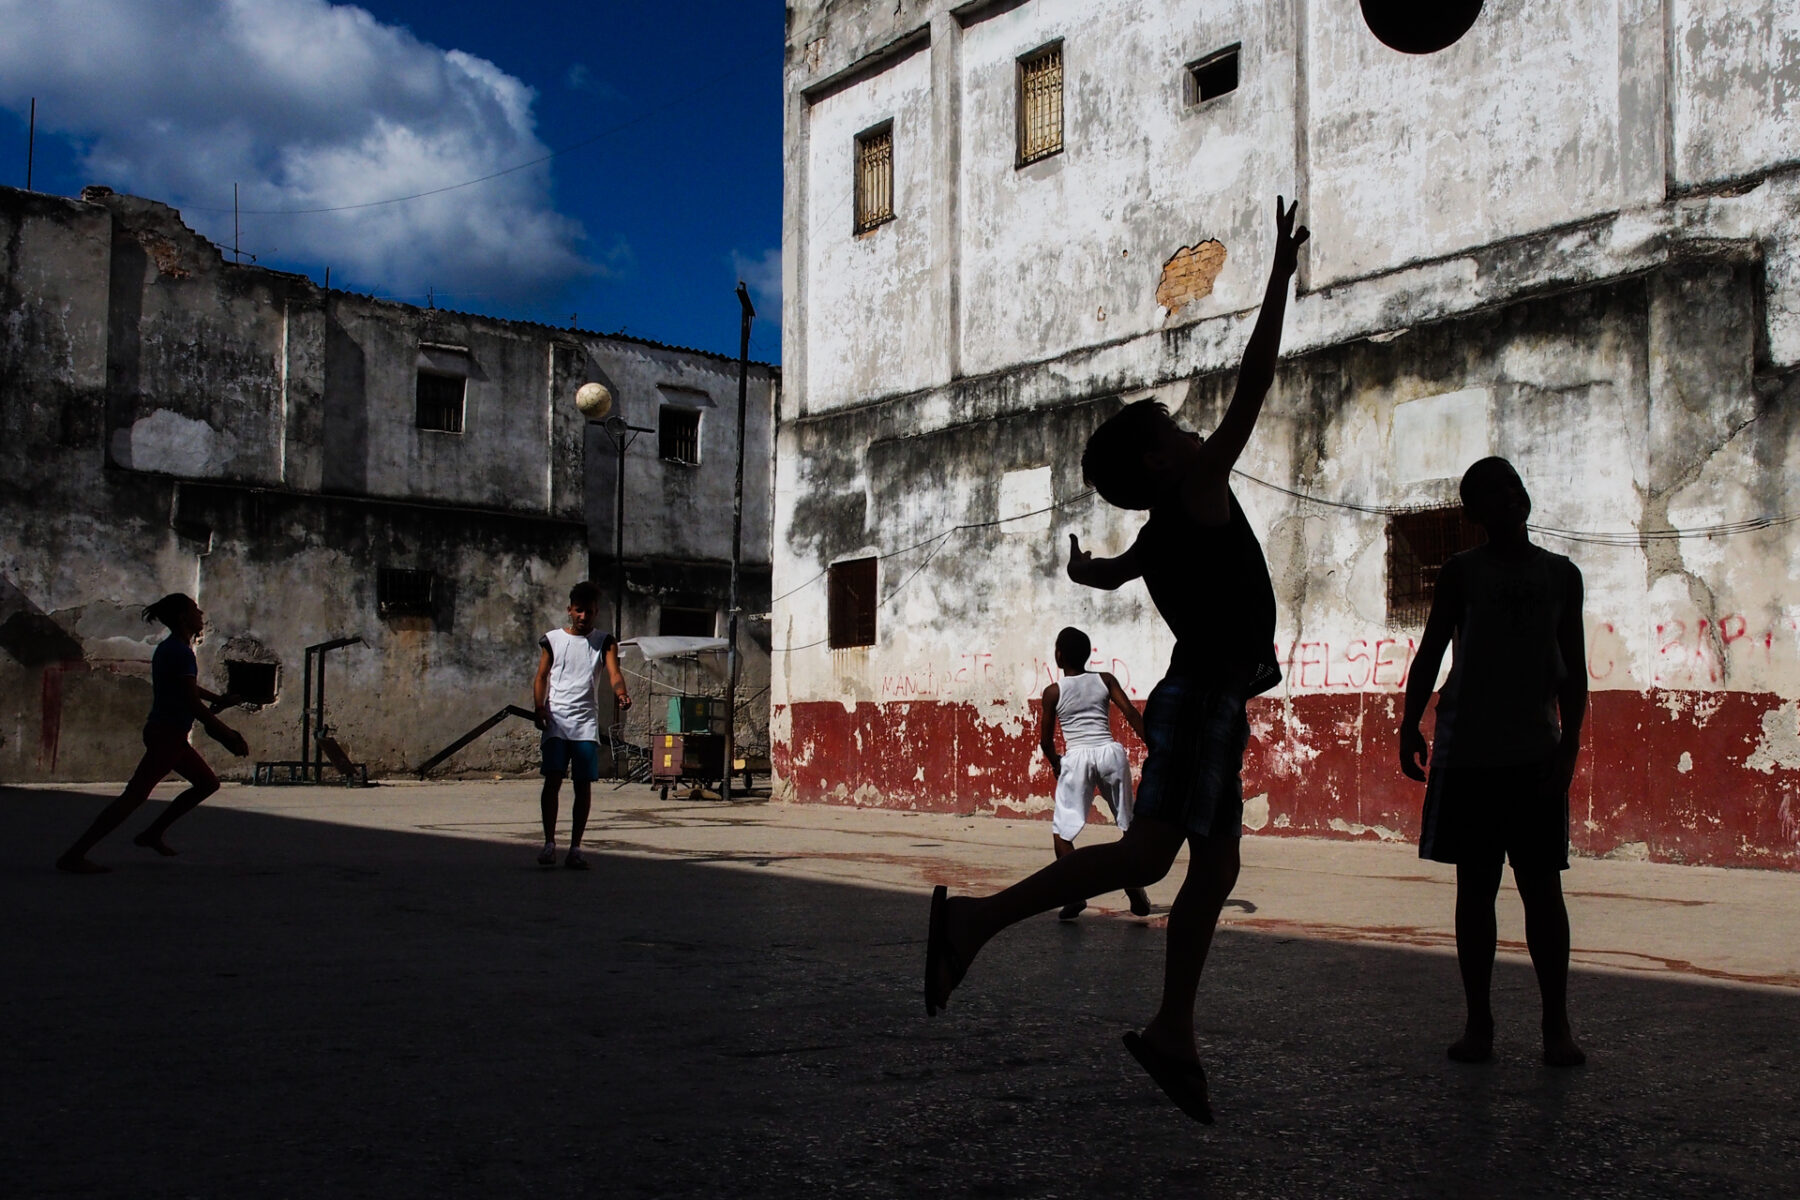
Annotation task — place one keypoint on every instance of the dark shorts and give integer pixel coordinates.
(1476, 815)
(1196, 733)
(578, 760)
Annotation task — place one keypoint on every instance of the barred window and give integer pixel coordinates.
(874, 177)
(851, 602)
(1041, 104)
(1213, 76)
(678, 434)
(1417, 545)
(401, 592)
(440, 402)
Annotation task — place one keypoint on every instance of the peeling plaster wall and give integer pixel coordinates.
(170, 421)
(1570, 240)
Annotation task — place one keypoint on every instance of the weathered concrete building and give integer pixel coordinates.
(1573, 238)
(314, 464)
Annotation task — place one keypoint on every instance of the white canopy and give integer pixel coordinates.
(656, 648)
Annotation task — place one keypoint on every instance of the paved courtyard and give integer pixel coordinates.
(376, 992)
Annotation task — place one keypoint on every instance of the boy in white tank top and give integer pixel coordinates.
(570, 660)
(1092, 761)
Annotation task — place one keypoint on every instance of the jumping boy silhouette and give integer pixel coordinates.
(1094, 762)
(1502, 759)
(1205, 572)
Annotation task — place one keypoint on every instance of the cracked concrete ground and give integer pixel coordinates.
(337, 992)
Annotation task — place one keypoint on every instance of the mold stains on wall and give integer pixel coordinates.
(1189, 275)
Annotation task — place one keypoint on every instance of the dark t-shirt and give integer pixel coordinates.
(171, 666)
(1211, 585)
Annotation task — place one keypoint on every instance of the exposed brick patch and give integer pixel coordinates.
(1189, 274)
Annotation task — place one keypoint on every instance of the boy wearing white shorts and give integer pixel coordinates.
(1092, 761)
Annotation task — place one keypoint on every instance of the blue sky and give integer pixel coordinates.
(306, 104)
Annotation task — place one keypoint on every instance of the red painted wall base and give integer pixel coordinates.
(1664, 774)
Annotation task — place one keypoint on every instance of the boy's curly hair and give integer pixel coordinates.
(1074, 645)
(586, 594)
(1113, 462)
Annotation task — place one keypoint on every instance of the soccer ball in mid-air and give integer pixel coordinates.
(594, 400)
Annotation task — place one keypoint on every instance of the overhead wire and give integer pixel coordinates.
(1591, 537)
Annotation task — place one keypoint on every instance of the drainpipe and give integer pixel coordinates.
(737, 538)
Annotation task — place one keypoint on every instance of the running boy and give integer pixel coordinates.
(177, 701)
(568, 711)
(1205, 572)
(1094, 762)
(1508, 730)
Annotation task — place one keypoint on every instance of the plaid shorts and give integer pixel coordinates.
(1196, 732)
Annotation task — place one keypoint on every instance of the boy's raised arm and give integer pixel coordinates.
(1446, 602)
(1104, 573)
(1257, 371)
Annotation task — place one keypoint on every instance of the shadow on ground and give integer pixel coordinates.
(296, 1008)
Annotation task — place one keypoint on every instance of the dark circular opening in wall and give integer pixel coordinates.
(1420, 26)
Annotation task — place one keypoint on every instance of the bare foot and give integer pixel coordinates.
(151, 841)
(80, 866)
(1476, 1045)
(1560, 1049)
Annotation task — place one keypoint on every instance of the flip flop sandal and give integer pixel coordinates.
(1182, 1082)
(938, 953)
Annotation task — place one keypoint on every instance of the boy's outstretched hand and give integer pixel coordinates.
(1080, 561)
(1288, 237)
(1413, 752)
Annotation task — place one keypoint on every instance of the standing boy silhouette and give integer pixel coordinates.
(1502, 759)
(1079, 703)
(1205, 572)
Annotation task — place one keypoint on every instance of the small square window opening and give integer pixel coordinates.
(402, 592)
(440, 402)
(686, 622)
(874, 177)
(851, 602)
(1041, 104)
(678, 434)
(1418, 543)
(1212, 77)
(253, 682)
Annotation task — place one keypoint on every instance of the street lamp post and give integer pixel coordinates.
(621, 434)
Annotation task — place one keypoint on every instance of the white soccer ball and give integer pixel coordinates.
(594, 400)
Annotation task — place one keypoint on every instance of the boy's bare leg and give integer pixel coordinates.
(1138, 859)
(1547, 937)
(202, 783)
(150, 771)
(1073, 908)
(584, 800)
(1212, 873)
(1477, 887)
(547, 802)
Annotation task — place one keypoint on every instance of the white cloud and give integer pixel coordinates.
(762, 275)
(304, 104)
